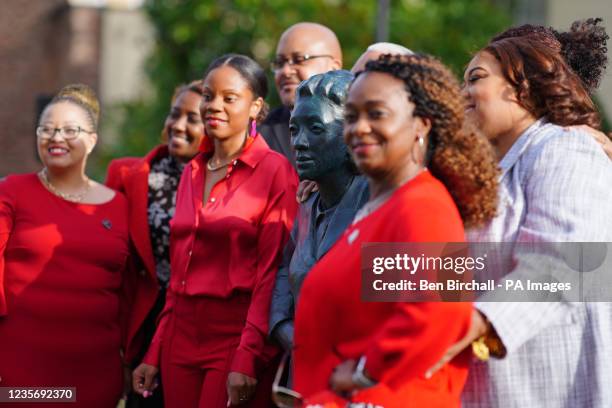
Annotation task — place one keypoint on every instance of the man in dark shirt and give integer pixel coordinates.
(304, 49)
(321, 155)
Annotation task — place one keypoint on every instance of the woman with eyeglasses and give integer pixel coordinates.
(150, 185)
(234, 212)
(428, 176)
(63, 250)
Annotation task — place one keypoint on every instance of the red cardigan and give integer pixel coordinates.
(130, 175)
(399, 340)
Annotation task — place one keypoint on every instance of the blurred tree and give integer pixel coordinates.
(191, 33)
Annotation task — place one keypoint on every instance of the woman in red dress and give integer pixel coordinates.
(150, 184)
(235, 208)
(403, 125)
(63, 249)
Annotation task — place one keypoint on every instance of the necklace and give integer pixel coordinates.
(217, 167)
(76, 198)
(210, 167)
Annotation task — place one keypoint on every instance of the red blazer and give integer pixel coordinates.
(130, 175)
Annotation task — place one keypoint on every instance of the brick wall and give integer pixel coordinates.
(44, 45)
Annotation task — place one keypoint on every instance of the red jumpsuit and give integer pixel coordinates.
(61, 267)
(399, 340)
(224, 255)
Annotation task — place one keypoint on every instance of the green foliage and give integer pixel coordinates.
(450, 29)
(191, 33)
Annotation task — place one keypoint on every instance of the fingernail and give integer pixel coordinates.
(428, 375)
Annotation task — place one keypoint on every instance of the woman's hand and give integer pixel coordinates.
(341, 380)
(143, 379)
(240, 388)
(305, 189)
(477, 329)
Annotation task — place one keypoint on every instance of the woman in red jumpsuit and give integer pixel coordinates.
(63, 249)
(403, 125)
(235, 208)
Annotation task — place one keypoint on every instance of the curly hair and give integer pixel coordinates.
(583, 47)
(460, 157)
(196, 86)
(553, 73)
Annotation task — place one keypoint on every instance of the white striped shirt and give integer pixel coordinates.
(555, 186)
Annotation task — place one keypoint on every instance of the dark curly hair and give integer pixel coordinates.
(457, 155)
(583, 47)
(554, 73)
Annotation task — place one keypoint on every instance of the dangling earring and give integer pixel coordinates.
(417, 151)
(253, 128)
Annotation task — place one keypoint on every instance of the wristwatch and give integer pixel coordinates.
(359, 378)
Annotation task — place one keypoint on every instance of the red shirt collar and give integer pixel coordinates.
(158, 152)
(254, 150)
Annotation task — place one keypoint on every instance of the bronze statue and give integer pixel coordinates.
(321, 156)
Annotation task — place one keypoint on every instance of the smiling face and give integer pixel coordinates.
(380, 129)
(300, 41)
(228, 104)
(56, 151)
(491, 101)
(184, 126)
(316, 135)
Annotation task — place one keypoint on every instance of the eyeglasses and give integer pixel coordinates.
(67, 132)
(296, 59)
(282, 396)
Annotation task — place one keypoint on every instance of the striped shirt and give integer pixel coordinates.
(555, 186)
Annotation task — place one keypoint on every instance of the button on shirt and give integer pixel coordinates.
(233, 242)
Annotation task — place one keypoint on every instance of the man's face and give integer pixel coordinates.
(316, 136)
(293, 47)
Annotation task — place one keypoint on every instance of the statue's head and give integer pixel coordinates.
(316, 125)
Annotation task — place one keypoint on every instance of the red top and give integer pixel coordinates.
(232, 243)
(130, 176)
(61, 271)
(400, 340)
